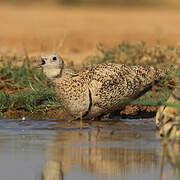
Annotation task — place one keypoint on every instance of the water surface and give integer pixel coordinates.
(107, 150)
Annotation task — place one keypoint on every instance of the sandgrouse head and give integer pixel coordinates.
(51, 64)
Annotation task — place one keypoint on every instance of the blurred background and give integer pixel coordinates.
(73, 28)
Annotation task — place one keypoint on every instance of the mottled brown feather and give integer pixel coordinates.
(100, 88)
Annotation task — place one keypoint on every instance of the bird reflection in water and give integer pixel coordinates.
(99, 153)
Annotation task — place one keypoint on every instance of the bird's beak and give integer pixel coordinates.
(40, 65)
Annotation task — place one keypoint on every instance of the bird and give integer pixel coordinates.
(100, 88)
(168, 116)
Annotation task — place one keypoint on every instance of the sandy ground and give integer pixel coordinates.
(75, 32)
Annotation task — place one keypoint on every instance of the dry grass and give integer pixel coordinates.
(75, 32)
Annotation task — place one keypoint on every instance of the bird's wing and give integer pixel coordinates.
(115, 84)
(110, 84)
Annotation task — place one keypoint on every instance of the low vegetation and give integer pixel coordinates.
(138, 53)
(25, 91)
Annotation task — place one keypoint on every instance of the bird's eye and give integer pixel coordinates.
(54, 58)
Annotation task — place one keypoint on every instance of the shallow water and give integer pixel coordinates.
(107, 150)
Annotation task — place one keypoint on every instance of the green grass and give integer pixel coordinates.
(29, 90)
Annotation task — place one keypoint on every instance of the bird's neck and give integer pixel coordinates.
(66, 72)
(58, 73)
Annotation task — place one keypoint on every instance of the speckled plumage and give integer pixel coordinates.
(98, 89)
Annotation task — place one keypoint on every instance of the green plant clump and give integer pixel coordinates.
(25, 88)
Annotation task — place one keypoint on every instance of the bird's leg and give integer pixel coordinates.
(81, 120)
(81, 123)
